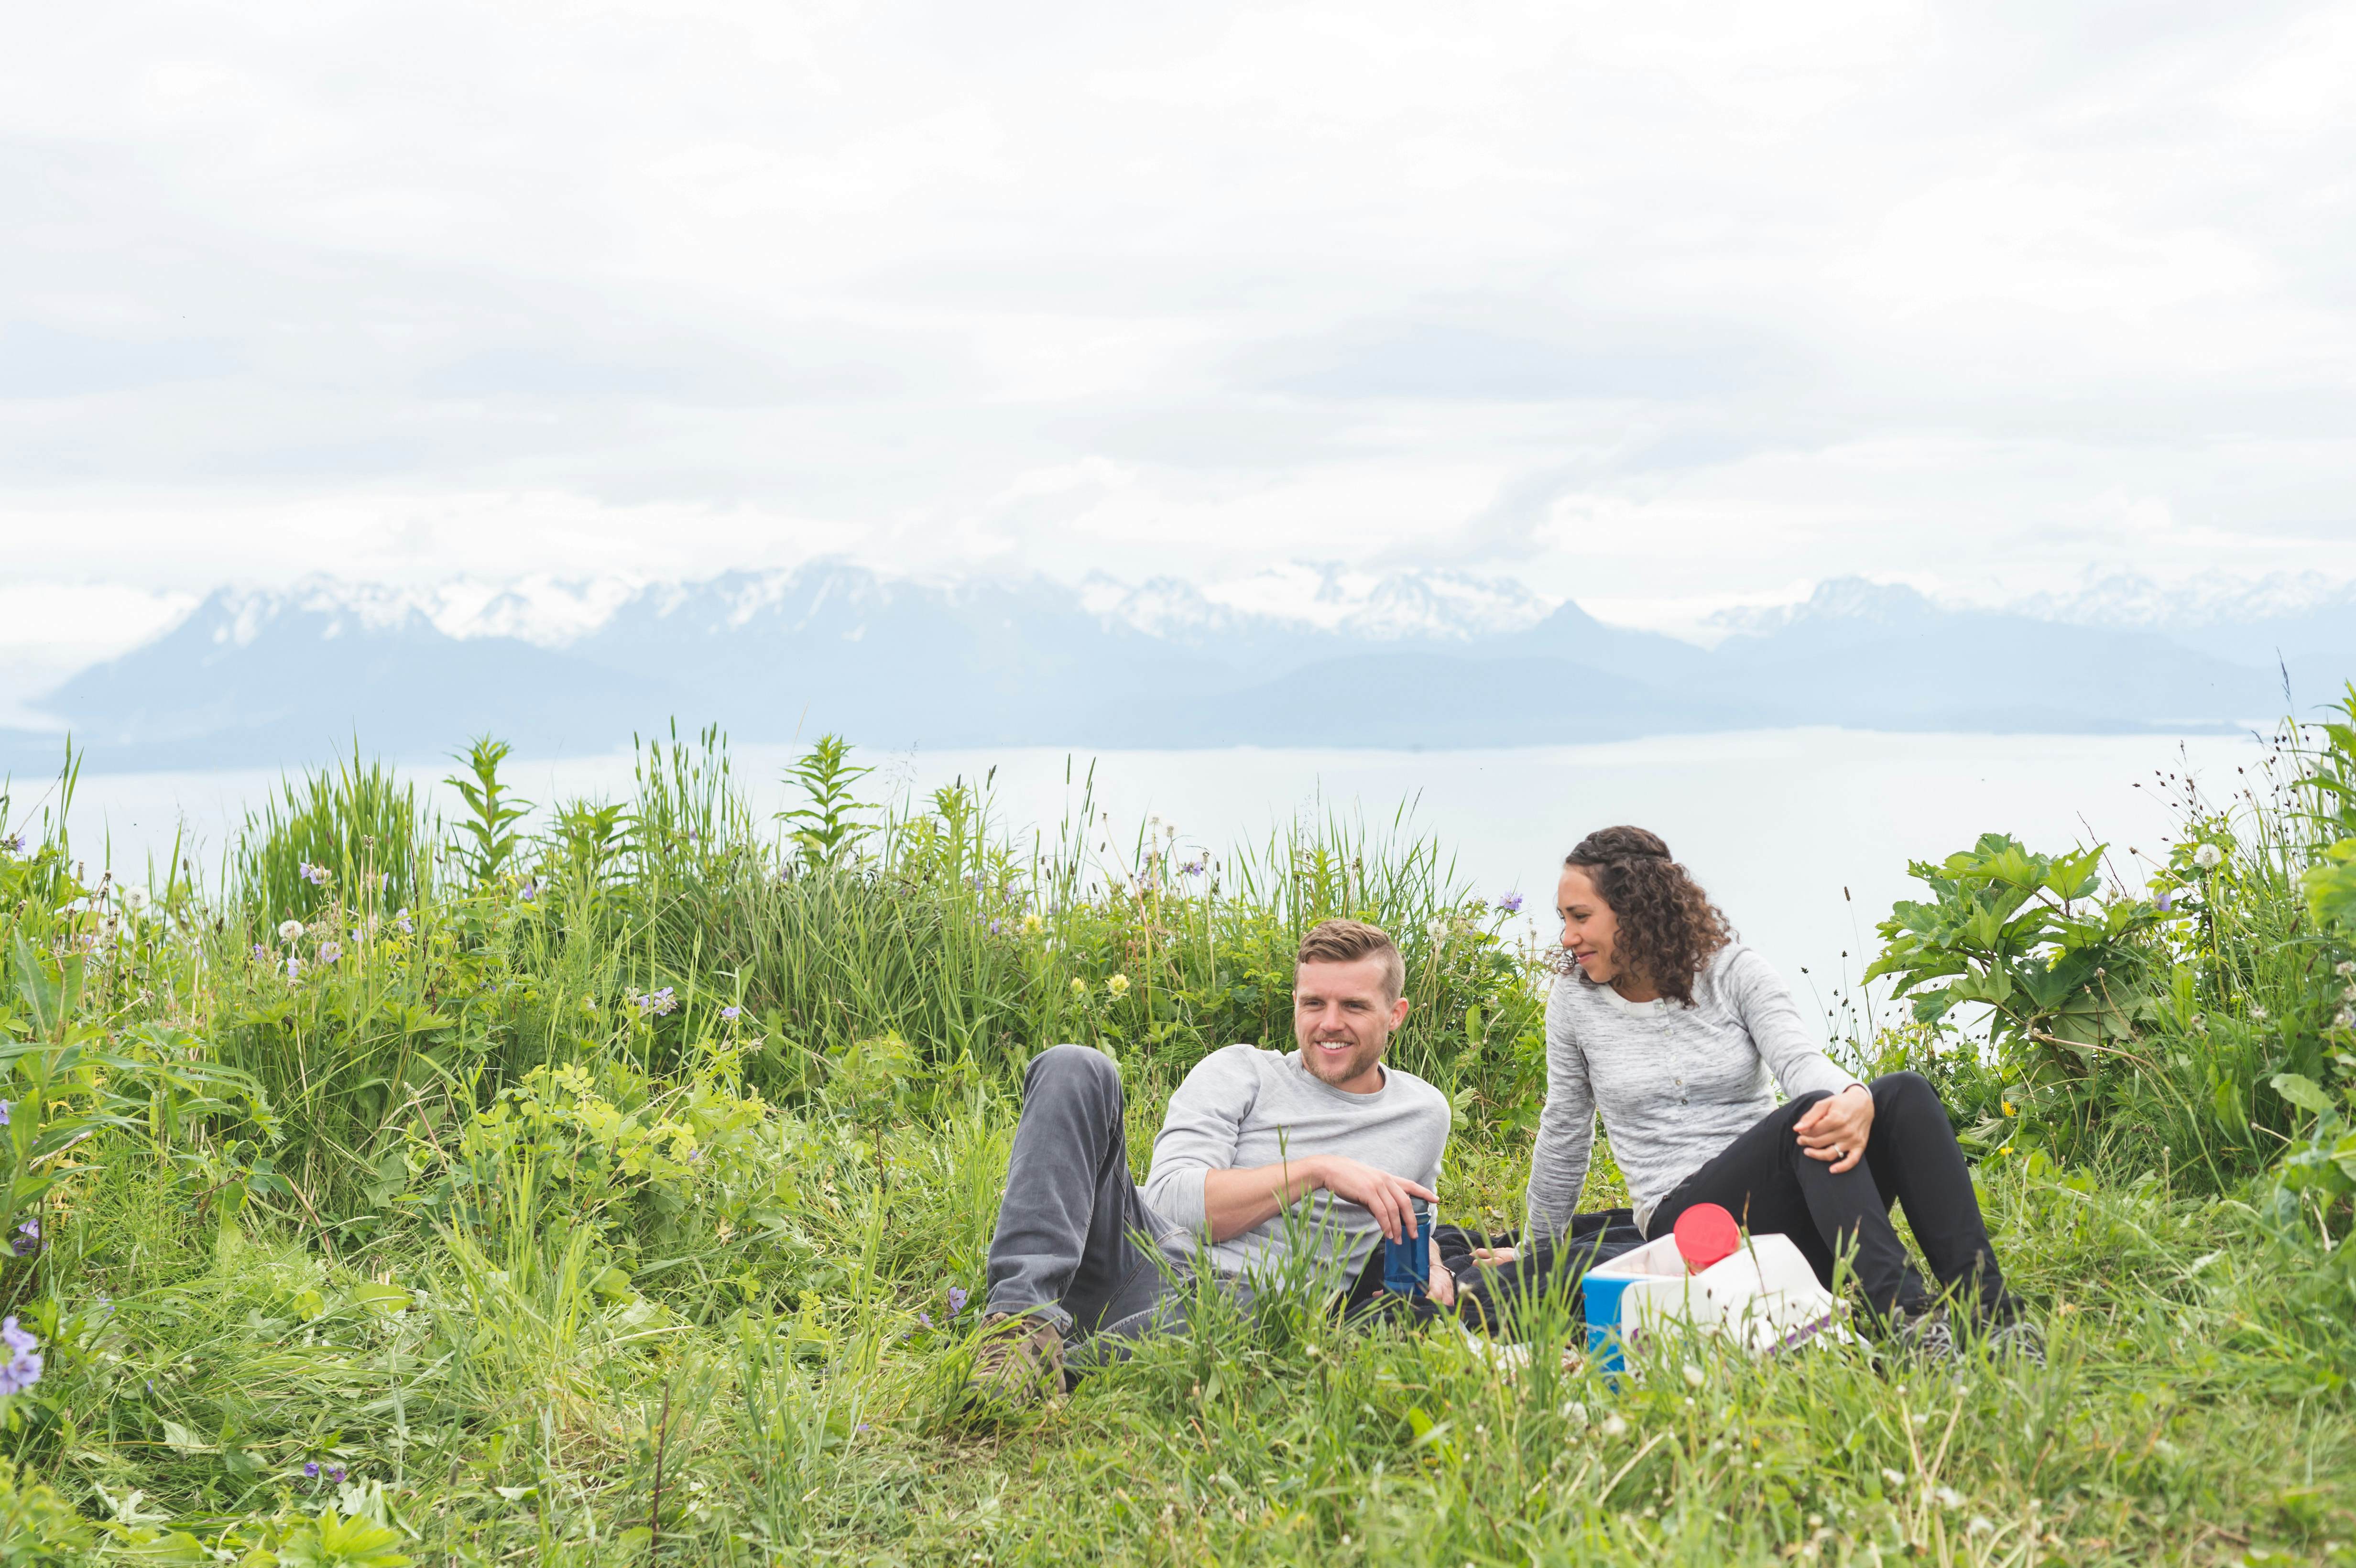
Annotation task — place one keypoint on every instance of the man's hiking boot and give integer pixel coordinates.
(1019, 1360)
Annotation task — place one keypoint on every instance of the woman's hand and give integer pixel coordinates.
(1495, 1257)
(1441, 1288)
(1835, 1129)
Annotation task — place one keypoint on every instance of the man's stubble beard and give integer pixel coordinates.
(1359, 1063)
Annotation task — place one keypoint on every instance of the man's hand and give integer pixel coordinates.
(1836, 1130)
(1389, 1199)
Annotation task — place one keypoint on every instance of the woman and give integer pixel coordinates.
(1671, 1030)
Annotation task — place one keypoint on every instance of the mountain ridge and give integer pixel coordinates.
(274, 677)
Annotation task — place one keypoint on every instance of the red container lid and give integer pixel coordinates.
(1705, 1234)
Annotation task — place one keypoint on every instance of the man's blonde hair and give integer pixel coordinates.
(1347, 941)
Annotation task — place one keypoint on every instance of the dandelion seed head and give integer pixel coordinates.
(289, 930)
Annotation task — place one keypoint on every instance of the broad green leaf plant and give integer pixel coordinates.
(2065, 976)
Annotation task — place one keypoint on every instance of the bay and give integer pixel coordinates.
(1802, 836)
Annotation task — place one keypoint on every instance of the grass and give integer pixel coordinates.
(606, 1210)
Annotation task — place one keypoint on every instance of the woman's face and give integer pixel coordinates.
(1589, 927)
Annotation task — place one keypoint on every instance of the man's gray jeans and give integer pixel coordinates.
(1076, 1242)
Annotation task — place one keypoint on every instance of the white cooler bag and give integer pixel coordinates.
(1764, 1298)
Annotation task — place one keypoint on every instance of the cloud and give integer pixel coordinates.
(1694, 299)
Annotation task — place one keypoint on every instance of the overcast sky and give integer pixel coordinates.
(1651, 304)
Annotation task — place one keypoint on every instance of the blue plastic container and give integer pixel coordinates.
(1407, 1263)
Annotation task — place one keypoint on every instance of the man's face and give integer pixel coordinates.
(1342, 1021)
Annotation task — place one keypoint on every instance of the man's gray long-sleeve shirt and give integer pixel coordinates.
(1243, 1107)
(1674, 1084)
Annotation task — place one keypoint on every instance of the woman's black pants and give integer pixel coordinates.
(1769, 1184)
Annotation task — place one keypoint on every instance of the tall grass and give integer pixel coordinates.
(603, 1202)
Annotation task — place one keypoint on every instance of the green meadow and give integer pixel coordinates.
(609, 1182)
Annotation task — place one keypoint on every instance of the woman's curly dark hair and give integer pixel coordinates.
(1668, 927)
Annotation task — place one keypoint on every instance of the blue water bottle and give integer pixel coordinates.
(1407, 1263)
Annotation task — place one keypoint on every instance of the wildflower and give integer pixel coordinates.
(1032, 925)
(956, 1300)
(1437, 930)
(288, 930)
(2257, 1015)
(1079, 987)
(1948, 1497)
(1117, 987)
(925, 1318)
(1190, 869)
(14, 844)
(134, 899)
(330, 951)
(1692, 1375)
(1892, 1476)
(2009, 1110)
(1510, 904)
(400, 919)
(23, 1368)
(336, 1473)
(2164, 900)
(529, 891)
(2207, 857)
(2344, 1019)
(1615, 1425)
(732, 1013)
(293, 968)
(2345, 968)
(317, 876)
(27, 1239)
(1980, 1525)
(993, 928)
(311, 1468)
(3, 1112)
(261, 953)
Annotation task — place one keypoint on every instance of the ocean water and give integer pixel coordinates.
(1802, 836)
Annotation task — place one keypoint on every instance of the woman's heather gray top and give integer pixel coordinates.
(1243, 1107)
(1674, 1084)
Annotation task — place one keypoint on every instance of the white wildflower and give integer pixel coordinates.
(134, 899)
(2345, 968)
(1981, 1525)
(2257, 1015)
(1117, 987)
(1615, 1425)
(2208, 857)
(1892, 1476)
(1948, 1497)
(1693, 1376)
(288, 930)
(1574, 1412)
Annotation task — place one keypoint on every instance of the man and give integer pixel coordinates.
(1249, 1134)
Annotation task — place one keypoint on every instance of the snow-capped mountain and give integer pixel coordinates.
(1306, 656)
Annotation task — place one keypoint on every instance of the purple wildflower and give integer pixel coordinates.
(23, 1368)
(330, 951)
(529, 891)
(925, 1318)
(261, 953)
(14, 844)
(956, 1300)
(293, 968)
(336, 1473)
(732, 1013)
(3, 1112)
(311, 1468)
(28, 1240)
(1510, 904)
(2164, 900)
